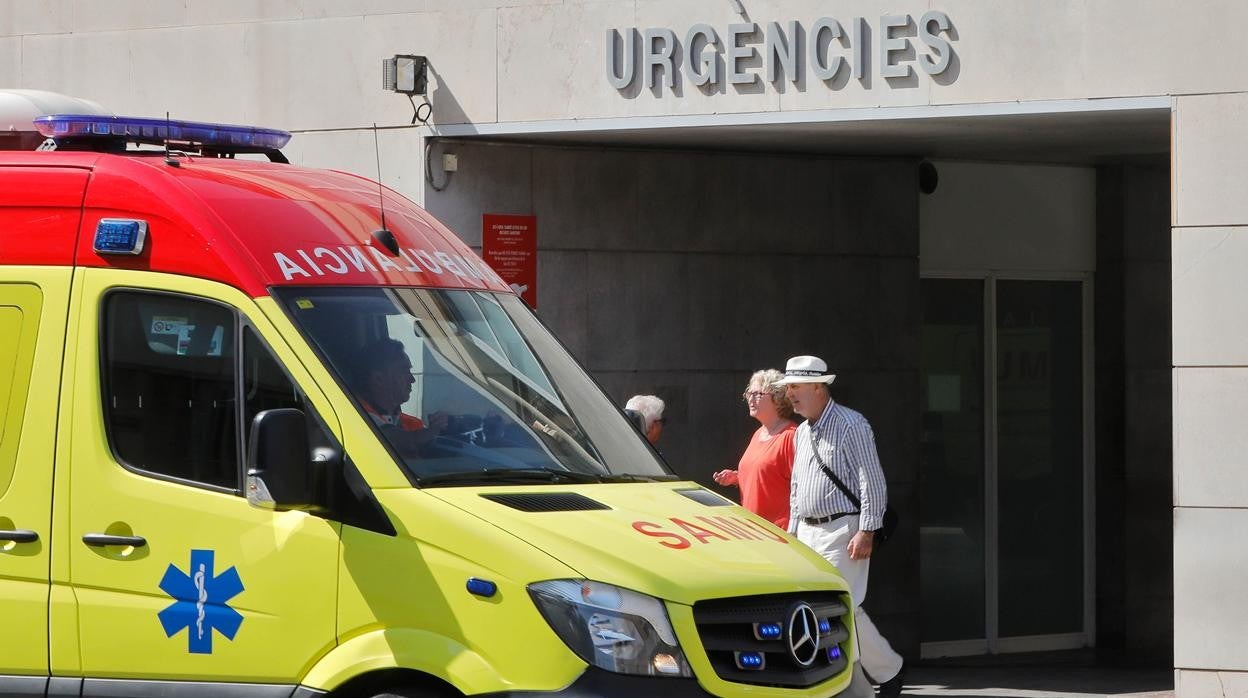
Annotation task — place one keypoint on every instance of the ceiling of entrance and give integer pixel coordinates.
(1065, 137)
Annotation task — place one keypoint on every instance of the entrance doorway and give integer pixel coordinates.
(1005, 545)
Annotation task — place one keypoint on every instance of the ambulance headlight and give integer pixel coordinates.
(611, 628)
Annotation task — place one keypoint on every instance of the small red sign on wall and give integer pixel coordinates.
(509, 246)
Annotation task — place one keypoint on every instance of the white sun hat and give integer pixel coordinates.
(805, 369)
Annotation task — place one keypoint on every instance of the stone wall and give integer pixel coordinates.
(1210, 254)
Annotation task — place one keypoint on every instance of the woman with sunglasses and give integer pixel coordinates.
(766, 466)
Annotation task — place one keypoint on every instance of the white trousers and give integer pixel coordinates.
(831, 540)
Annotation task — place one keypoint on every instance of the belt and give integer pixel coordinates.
(816, 520)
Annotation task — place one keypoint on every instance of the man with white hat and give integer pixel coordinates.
(836, 441)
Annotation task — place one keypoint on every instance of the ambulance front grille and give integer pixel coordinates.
(728, 630)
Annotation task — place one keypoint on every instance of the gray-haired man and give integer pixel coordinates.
(822, 516)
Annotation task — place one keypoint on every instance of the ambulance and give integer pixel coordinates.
(274, 431)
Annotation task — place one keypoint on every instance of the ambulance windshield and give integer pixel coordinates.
(468, 387)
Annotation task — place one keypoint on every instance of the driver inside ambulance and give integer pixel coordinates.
(384, 383)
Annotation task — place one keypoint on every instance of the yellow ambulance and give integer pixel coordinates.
(272, 431)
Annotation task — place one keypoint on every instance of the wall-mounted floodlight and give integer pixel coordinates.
(407, 75)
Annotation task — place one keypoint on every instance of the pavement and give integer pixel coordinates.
(1038, 676)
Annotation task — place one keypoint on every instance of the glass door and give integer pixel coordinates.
(951, 471)
(1040, 517)
(1003, 513)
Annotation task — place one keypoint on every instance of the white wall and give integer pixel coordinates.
(1210, 254)
(1008, 218)
(315, 64)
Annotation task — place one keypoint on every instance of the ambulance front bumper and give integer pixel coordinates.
(599, 683)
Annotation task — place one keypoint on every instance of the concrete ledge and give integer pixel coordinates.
(1210, 684)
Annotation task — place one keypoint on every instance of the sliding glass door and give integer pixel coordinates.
(1003, 476)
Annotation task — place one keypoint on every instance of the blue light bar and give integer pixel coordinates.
(767, 631)
(159, 131)
(825, 626)
(834, 653)
(748, 661)
(120, 236)
(482, 587)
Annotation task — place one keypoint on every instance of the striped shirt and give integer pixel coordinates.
(847, 446)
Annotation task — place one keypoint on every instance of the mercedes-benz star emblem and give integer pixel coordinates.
(803, 634)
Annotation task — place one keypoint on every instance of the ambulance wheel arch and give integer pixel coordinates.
(402, 662)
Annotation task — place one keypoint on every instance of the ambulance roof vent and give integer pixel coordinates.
(705, 496)
(547, 501)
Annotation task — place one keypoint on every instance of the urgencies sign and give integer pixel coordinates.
(707, 58)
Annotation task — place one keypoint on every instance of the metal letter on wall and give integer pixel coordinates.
(781, 48)
(939, 44)
(737, 52)
(890, 45)
(659, 58)
(859, 44)
(701, 67)
(622, 79)
(825, 65)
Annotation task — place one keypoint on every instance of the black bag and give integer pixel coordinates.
(888, 524)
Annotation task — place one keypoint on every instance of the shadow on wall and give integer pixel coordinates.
(446, 109)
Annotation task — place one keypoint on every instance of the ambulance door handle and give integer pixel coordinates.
(19, 535)
(102, 539)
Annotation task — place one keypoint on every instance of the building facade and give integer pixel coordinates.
(1012, 228)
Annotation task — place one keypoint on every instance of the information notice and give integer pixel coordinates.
(509, 246)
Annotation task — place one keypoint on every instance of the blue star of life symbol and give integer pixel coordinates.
(200, 604)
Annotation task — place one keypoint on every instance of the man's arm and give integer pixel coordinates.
(865, 463)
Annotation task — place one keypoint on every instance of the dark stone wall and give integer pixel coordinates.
(679, 274)
(1135, 590)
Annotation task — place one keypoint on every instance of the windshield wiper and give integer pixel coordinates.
(548, 475)
(634, 477)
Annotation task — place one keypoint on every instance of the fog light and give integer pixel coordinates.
(666, 664)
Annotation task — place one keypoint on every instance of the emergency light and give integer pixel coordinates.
(120, 236)
(481, 587)
(749, 661)
(768, 631)
(136, 129)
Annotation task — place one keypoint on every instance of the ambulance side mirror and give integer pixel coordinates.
(279, 463)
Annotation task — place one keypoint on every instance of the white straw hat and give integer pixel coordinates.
(805, 369)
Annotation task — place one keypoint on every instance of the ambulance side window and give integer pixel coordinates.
(169, 386)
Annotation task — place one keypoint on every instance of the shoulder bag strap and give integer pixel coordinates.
(814, 450)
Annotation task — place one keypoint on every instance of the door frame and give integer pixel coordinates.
(992, 643)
